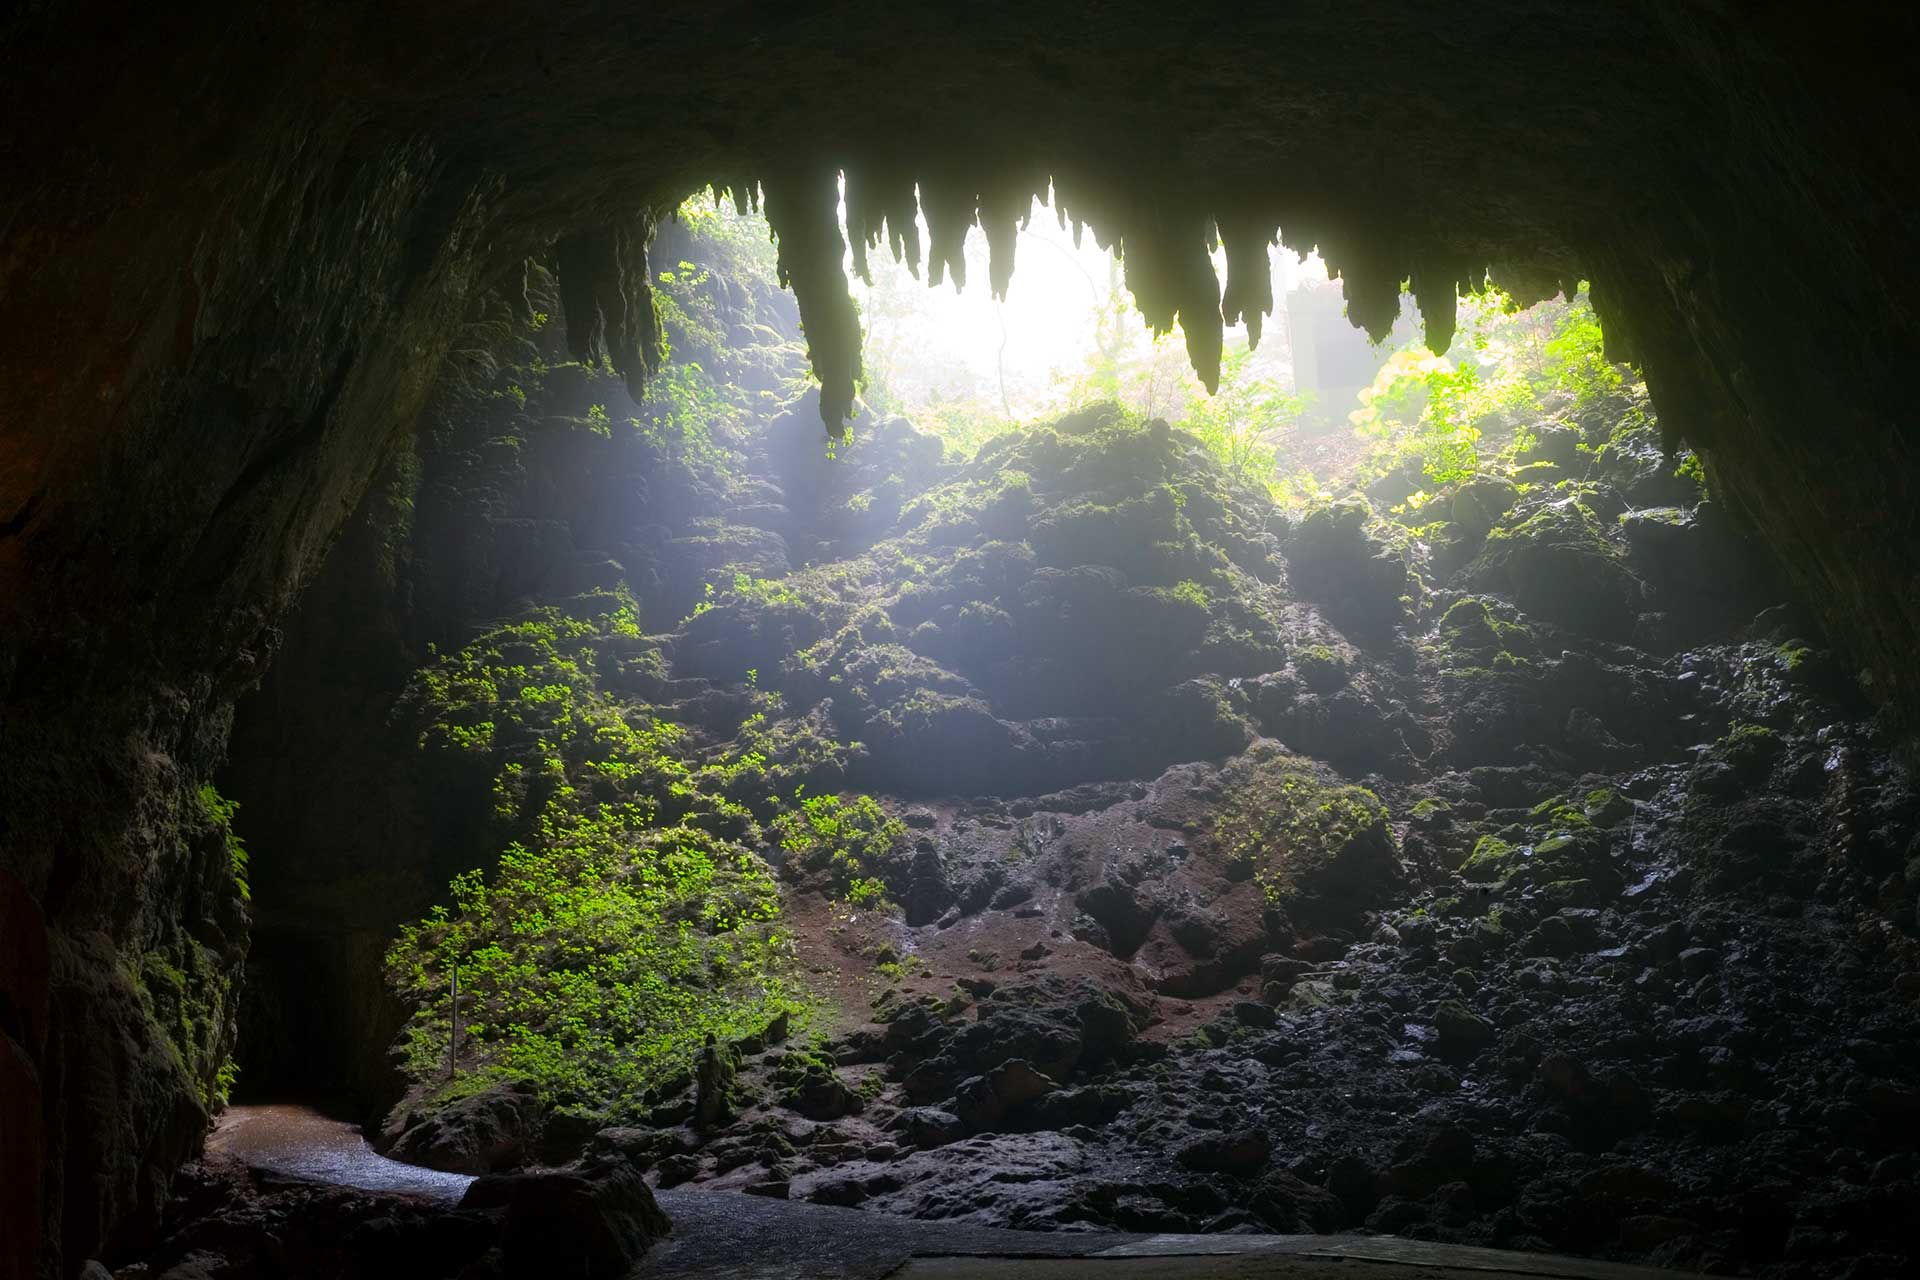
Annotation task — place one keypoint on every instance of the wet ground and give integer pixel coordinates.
(302, 1143)
(719, 1234)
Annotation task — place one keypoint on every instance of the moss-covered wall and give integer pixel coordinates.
(238, 240)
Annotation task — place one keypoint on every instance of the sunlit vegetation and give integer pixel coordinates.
(629, 914)
(857, 843)
(1507, 367)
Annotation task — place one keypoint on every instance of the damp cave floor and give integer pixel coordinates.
(722, 1235)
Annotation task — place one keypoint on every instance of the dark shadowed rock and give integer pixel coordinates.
(927, 1127)
(984, 1101)
(598, 1224)
(491, 1131)
(1289, 1205)
(1240, 1155)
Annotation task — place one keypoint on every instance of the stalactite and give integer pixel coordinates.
(1371, 280)
(949, 205)
(1524, 282)
(803, 213)
(1164, 245)
(1003, 207)
(606, 297)
(1618, 340)
(881, 209)
(743, 192)
(1249, 293)
(1436, 288)
(1172, 278)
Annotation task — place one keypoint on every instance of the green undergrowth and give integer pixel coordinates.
(622, 912)
(856, 843)
(1507, 366)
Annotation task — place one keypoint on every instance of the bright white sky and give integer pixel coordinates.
(933, 344)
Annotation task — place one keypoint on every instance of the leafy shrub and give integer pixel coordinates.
(220, 811)
(627, 916)
(850, 840)
(1507, 363)
(596, 962)
(867, 889)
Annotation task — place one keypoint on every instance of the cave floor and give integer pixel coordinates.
(746, 1237)
(737, 1236)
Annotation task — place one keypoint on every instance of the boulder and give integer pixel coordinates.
(925, 1127)
(984, 1101)
(1556, 562)
(596, 1224)
(1462, 1032)
(493, 1130)
(1240, 1155)
(1289, 1205)
(1341, 555)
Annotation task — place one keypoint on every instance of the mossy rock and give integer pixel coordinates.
(1553, 443)
(1473, 636)
(1750, 749)
(1480, 503)
(1604, 807)
(1492, 859)
(1320, 849)
(1323, 668)
(1345, 557)
(1557, 564)
(1550, 856)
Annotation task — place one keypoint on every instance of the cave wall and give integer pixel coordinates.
(236, 243)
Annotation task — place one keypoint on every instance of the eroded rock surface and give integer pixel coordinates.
(1528, 880)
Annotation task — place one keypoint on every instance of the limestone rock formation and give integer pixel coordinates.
(213, 321)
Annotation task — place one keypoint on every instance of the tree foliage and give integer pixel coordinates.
(1506, 366)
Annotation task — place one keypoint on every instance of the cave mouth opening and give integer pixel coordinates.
(1294, 417)
(216, 327)
(1015, 798)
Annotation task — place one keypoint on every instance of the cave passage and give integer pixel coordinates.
(1286, 624)
(1388, 793)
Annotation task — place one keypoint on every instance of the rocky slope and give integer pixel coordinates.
(1524, 878)
(1613, 954)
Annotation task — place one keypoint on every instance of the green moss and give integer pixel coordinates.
(1281, 821)
(1469, 624)
(1557, 812)
(1750, 746)
(1791, 654)
(1322, 667)
(1604, 807)
(1471, 629)
(1491, 859)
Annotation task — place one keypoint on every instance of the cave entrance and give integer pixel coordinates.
(904, 817)
(355, 836)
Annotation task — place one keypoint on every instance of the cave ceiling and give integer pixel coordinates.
(245, 235)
